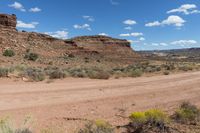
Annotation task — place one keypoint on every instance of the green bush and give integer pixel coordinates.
(9, 53)
(4, 72)
(187, 113)
(31, 56)
(98, 126)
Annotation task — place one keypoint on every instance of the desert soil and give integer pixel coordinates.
(54, 104)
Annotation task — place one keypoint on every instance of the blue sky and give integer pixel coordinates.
(148, 24)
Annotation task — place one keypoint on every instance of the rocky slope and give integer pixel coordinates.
(56, 50)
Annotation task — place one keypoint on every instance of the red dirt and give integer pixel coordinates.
(112, 100)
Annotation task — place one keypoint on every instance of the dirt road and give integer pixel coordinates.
(112, 100)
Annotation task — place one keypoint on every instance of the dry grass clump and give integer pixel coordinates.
(7, 127)
(33, 74)
(187, 113)
(98, 126)
(93, 73)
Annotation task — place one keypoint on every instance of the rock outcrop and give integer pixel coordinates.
(50, 49)
(9, 21)
(105, 45)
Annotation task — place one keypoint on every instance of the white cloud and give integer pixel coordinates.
(59, 34)
(185, 9)
(130, 22)
(32, 25)
(124, 35)
(135, 34)
(171, 20)
(142, 39)
(163, 44)
(155, 44)
(128, 28)
(103, 34)
(114, 2)
(89, 18)
(151, 24)
(35, 9)
(84, 26)
(18, 6)
(131, 41)
(184, 42)
(159, 44)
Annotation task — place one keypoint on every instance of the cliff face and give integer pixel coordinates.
(9, 21)
(106, 45)
(56, 50)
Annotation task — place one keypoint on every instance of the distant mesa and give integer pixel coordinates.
(9, 21)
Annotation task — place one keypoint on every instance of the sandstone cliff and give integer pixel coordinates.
(56, 50)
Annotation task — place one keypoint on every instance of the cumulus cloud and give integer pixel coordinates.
(89, 18)
(62, 34)
(84, 26)
(32, 25)
(17, 6)
(184, 42)
(185, 9)
(35, 9)
(151, 24)
(135, 34)
(103, 34)
(171, 20)
(130, 22)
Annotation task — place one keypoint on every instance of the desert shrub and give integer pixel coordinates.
(78, 72)
(34, 74)
(166, 73)
(26, 130)
(136, 73)
(20, 67)
(154, 118)
(31, 56)
(187, 113)
(185, 68)
(4, 72)
(7, 127)
(9, 53)
(57, 74)
(169, 66)
(98, 126)
(98, 74)
(138, 119)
